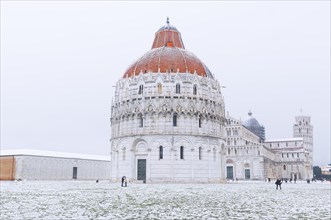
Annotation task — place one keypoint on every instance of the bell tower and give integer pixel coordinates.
(303, 128)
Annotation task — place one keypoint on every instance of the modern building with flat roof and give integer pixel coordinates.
(26, 164)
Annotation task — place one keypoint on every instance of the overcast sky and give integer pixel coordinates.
(60, 61)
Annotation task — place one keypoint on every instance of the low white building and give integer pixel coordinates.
(292, 160)
(49, 165)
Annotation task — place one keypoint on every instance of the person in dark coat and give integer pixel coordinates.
(278, 183)
(123, 179)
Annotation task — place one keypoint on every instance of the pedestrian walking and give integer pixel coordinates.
(278, 184)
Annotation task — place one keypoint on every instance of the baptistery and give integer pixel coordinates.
(167, 117)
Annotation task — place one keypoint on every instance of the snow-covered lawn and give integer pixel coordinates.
(104, 200)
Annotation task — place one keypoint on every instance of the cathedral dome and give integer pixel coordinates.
(254, 126)
(168, 54)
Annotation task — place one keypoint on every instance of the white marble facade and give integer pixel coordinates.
(250, 158)
(178, 115)
(168, 124)
(199, 160)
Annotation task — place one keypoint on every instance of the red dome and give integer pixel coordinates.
(168, 54)
(168, 34)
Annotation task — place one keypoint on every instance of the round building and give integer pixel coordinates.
(167, 117)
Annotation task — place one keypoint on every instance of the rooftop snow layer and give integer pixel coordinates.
(52, 154)
(284, 139)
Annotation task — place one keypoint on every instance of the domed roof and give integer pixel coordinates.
(251, 121)
(168, 54)
(254, 126)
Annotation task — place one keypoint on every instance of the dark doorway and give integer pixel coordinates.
(141, 171)
(247, 174)
(229, 172)
(74, 173)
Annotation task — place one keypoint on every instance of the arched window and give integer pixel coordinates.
(200, 121)
(229, 151)
(123, 155)
(284, 167)
(161, 152)
(177, 88)
(200, 153)
(141, 89)
(159, 88)
(174, 120)
(181, 152)
(194, 89)
(141, 121)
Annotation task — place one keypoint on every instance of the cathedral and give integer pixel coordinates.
(168, 124)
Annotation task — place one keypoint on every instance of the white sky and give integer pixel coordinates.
(60, 61)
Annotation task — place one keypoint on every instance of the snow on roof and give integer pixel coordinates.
(284, 139)
(53, 154)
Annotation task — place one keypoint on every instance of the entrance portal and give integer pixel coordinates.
(74, 173)
(229, 172)
(141, 169)
(247, 174)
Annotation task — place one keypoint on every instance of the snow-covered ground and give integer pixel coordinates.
(104, 200)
